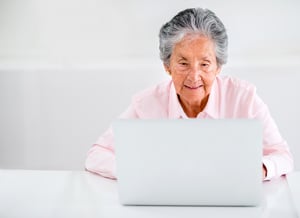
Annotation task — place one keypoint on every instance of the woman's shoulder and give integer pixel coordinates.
(157, 91)
(234, 83)
(152, 102)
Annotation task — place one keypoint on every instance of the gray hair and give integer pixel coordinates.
(193, 21)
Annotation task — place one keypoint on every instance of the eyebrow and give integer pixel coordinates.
(181, 57)
(206, 58)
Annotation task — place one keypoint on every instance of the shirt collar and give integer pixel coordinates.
(175, 109)
(210, 111)
(213, 103)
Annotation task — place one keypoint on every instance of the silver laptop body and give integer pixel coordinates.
(189, 162)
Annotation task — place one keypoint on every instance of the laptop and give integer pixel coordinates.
(293, 180)
(189, 162)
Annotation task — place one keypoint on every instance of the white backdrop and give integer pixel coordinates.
(65, 31)
(67, 68)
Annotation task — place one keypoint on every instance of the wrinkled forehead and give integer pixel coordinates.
(194, 45)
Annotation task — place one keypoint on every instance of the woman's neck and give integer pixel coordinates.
(192, 109)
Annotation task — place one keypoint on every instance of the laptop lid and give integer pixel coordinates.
(189, 162)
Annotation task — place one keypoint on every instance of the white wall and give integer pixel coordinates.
(68, 67)
(95, 30)
(51, 115)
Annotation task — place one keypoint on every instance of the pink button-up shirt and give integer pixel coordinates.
(229, 98)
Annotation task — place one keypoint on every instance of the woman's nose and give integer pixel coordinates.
(195, 73)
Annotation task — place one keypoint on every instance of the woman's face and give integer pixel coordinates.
(193, 67)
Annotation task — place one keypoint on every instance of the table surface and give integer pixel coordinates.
(32, 193)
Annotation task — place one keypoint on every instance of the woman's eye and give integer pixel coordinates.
(183, 64)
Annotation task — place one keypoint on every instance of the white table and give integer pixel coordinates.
(64, 194)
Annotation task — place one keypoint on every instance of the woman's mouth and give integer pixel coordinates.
(193, 87)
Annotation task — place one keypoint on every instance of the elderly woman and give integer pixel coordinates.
(193, 48)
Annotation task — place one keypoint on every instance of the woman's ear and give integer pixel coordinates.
(218, 70)
(167, 69)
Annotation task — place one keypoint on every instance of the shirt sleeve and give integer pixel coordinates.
(101, 156)
(277, 157)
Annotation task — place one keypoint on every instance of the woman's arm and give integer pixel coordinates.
(277, 157)
(101, 156)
